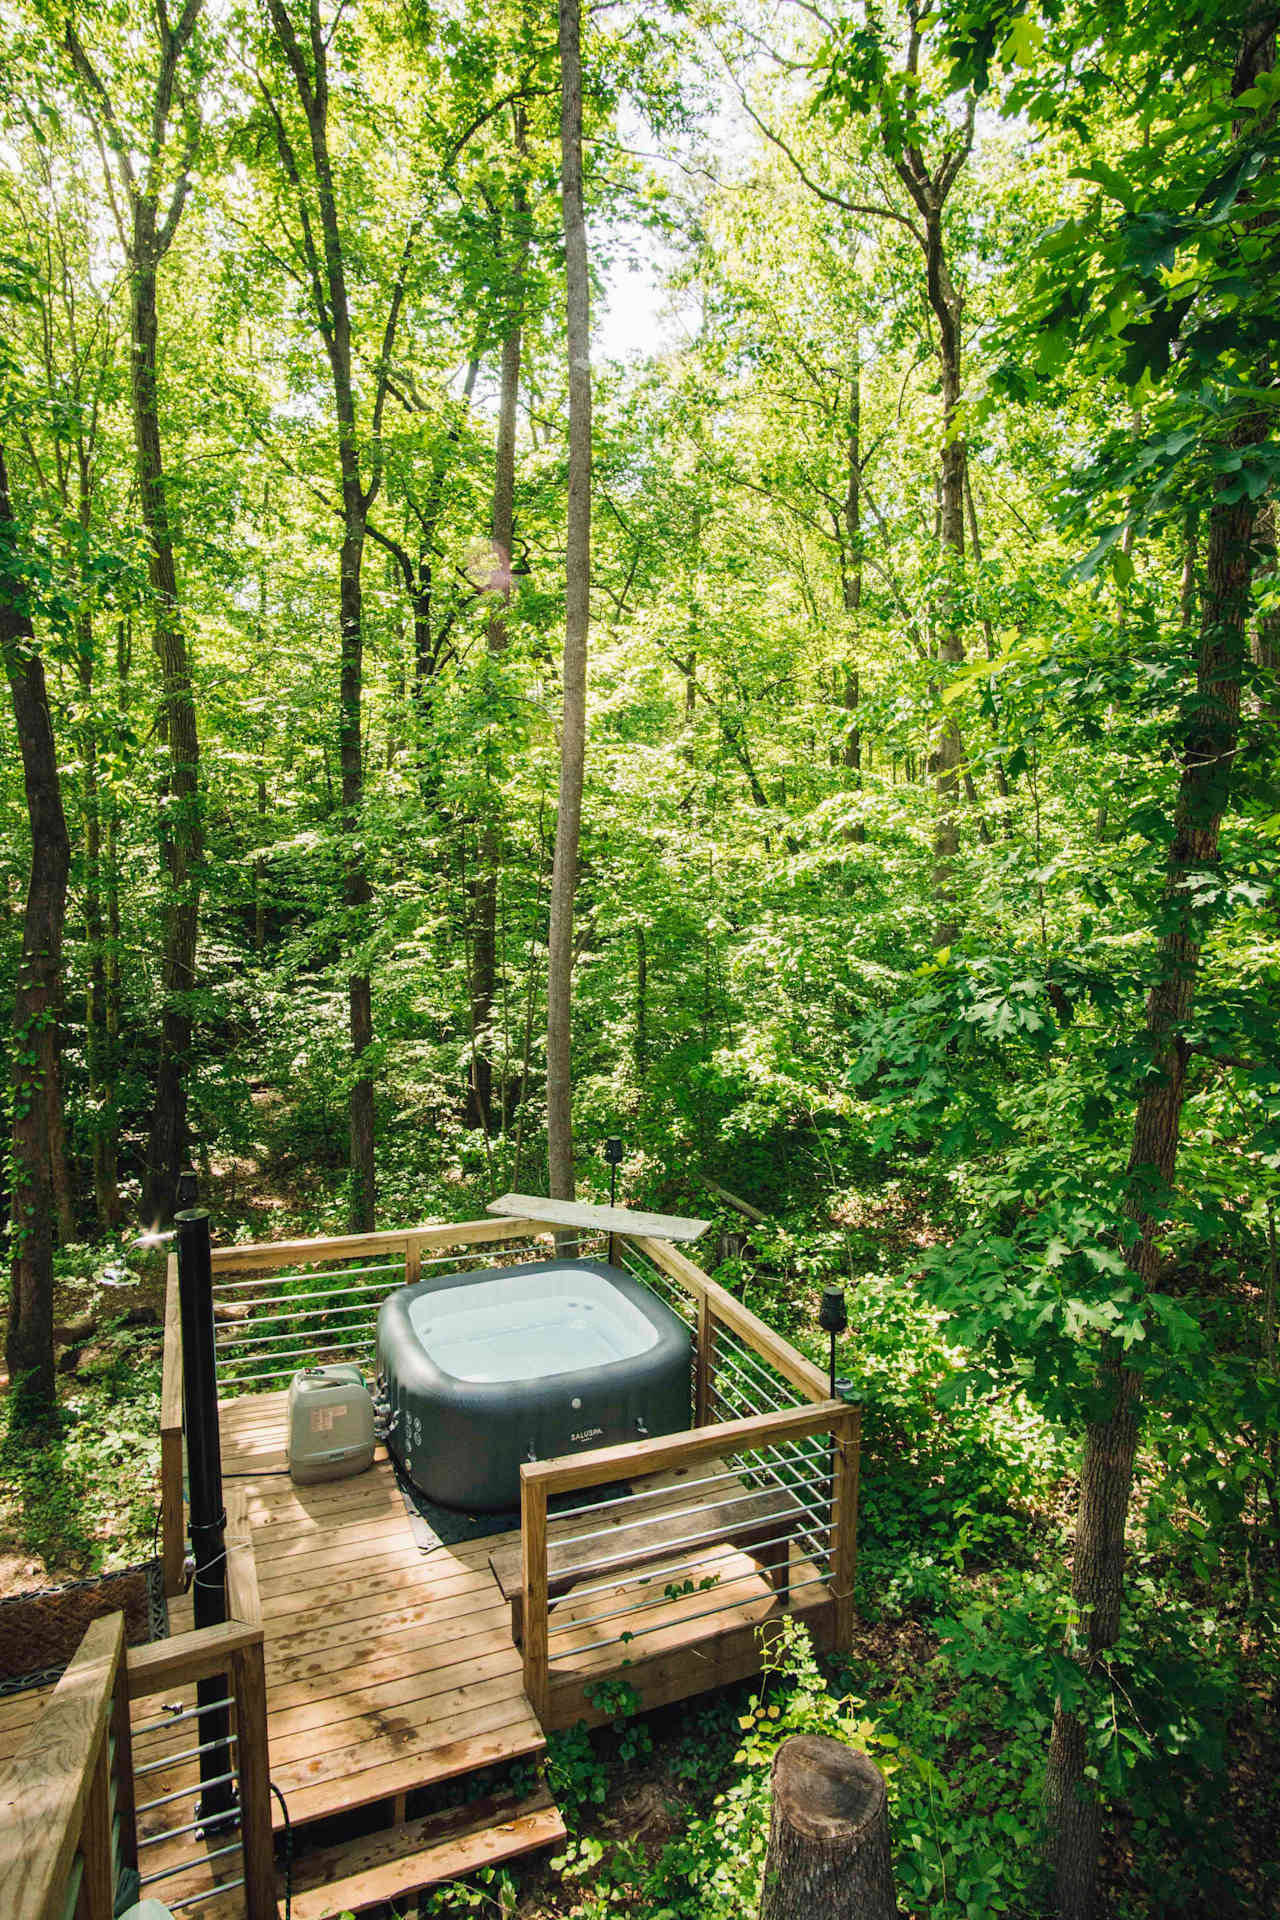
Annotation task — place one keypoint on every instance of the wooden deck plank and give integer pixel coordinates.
(387, 1668)
(369, 1872)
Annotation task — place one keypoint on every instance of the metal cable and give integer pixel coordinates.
(281, 1279)
(235, 1339)
(196, 1826)
(320, 1293)
(188, 1753)
(175, 1719)
(183, 1793)
(219, 1886)
(686, 1619)
(664, 1513)
(642, 1575)
(216, 1853)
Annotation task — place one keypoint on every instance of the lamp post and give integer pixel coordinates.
(613, 1160)
(833, 1318)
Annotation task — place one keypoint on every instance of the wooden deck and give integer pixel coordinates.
(388, 1669)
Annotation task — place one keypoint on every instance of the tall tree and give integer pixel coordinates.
(146, 217)
(1211, 446)
(573, 722)
(311, 177)
(29, 1341)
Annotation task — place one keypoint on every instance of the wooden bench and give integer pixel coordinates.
(760, 1524)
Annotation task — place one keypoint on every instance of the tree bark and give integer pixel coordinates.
(484, 948)
(828, 1853)
(1111, 1442)
(146, 241)
(327, 273)
(577, 616)
(181, 833)
(29, 1340)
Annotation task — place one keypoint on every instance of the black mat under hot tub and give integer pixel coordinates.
(435, 1526)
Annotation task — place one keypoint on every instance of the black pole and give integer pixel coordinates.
(204, 1479)
(613, 1154)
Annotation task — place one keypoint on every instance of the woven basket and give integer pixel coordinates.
(39, 1632)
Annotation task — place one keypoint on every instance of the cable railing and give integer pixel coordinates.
(718, 1531)
(102, 1808)
(283, 1306)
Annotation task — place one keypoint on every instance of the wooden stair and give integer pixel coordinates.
(359, 1874)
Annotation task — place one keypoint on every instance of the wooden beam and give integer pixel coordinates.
(533, 1544)
(844, 1524)
(242, 1570)
(586, 1219)
(197, 1655)
(249, 1686)
(637, 1457)
(704, 1359)
(781, 1355)
(45, 1788)
(715, 1659)
(269, 1255)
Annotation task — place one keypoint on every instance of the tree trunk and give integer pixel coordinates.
(642, 1003)
(98, 1048)
(828, 1853)
(180, 831)
(949, 748)
(484, 948)
(29, 1341)
(1111, 1442)
(577, 615)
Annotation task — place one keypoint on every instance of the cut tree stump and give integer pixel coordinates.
(828, 1853)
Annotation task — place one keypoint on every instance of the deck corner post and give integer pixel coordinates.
(122, 1766)
(704, 1361)
(533, 1547)
(412, 1259)
(846, 1436)
(249, 1690)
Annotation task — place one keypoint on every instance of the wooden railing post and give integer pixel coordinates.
(249, 1690)
(122, 1766)
(55, 1790)
(704, 1361)
(98, 1881)
(533, 1544)
(846, 1439)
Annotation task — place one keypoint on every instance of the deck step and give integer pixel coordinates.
(361, 1874)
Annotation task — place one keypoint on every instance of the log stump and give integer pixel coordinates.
(829, 1835)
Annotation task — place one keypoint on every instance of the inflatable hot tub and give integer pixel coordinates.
(481, 1371)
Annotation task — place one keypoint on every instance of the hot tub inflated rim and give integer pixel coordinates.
(461, 1441)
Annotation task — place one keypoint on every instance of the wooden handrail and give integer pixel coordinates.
(187, 1657)
(243, 1599)
(269, 1254)
(55, 1790)
(780, 1354)
(637, 1457)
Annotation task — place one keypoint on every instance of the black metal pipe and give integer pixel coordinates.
(204, 1481)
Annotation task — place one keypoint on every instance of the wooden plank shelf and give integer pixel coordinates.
(586, 1218)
